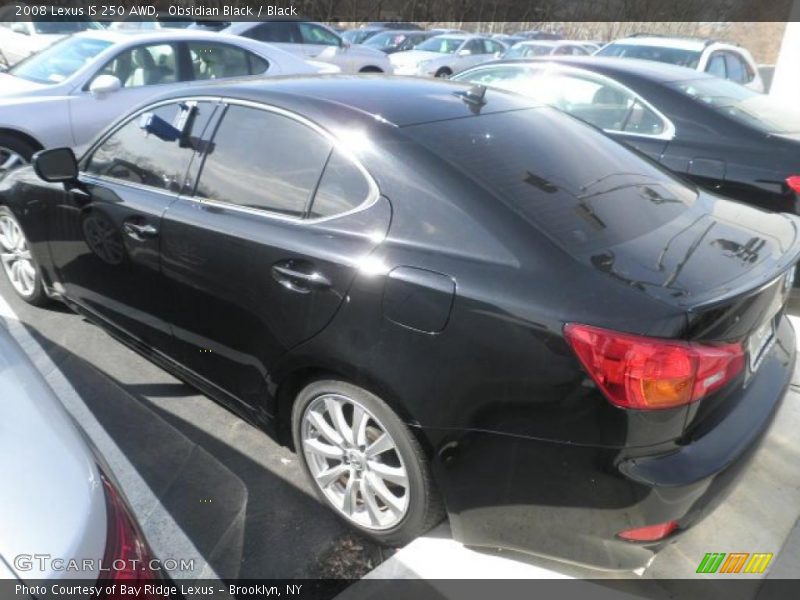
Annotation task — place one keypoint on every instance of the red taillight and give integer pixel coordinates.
(650, 373)
(126, 556)
(794, 183)
(650, 533)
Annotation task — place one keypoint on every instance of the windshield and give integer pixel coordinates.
(573, 183)
(523, 50)
(675, 56)
(59, 61)
(63, 27)
(386, 40)
(742, 104)
(441, 44)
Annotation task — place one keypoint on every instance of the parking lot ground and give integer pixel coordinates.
(207, 486)
(204, 484)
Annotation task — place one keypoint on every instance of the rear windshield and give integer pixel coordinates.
(743, 104)
(674, 56)
(581, 188)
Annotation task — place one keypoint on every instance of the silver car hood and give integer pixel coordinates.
(11, 86)
(52, 500)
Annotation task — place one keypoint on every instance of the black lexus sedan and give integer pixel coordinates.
(448, 299)
(720, 134)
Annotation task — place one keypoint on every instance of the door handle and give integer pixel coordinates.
(139, 232)
(299, 277)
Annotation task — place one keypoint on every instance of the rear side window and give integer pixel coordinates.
(263, 160)
(573, 183)
(342, 188)
(716, 66)
(134, 156)
(211, 60)
(735, 67)
(276, 32)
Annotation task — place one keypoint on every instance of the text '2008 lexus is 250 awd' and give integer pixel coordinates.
(448, 300)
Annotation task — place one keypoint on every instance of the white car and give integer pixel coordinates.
(727, 61)
(546, 48)
(445, 55)
(314, 41)
(66, 94)
(20, 39)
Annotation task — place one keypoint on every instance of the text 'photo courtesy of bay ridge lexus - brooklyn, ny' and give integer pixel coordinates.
(543, 298)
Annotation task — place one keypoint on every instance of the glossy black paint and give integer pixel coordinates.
(444, 301)
(714, 150)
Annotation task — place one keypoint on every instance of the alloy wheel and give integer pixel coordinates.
(355, 462)
(10, 159)
(16, 257)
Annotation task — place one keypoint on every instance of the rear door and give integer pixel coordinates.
(261, 255)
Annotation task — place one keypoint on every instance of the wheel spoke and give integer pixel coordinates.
(322, 449)
(328, 476)
(325, 430)
(336, 411)
(350, 496)
(382, 444)
(359, 430)
(396, 475)
(394, 503)
(368, 495)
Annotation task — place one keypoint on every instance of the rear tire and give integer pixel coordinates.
(14, 152)
(371, 70)
(443, 73)
(17, 262)
(364, 463)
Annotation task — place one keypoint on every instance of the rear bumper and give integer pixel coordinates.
(568, 502)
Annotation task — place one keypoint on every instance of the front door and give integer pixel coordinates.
(262, 255)
(105, 235)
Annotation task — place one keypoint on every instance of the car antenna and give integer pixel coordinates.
(474, 96)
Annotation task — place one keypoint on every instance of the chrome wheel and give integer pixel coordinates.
(355, 462)
(16, 257)
(10, 159)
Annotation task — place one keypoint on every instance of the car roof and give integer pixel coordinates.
(665, 42)
(645, 69)
(388, 100)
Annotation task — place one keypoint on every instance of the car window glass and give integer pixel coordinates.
(474, 47)
(642, 120)
(263, 160)
(59, 61)
(211, 60)
(735, 68)
(563, 50)
(314, 34)
(343, 187)
(716, 66)
(135, 156)
(276, 32)
(512, 78)
(144, 65)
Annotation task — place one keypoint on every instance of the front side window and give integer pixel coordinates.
(133, 155)
(263, 160)
(523, 50)
(211, 60)
(314, 34)
(144, 65)
(59, 61)
(735, 68)
(441, 44)
(275, 32)
(716, 65)
(342, 188)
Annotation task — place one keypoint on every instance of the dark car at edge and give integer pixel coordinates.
(448, 300)
(735, 141)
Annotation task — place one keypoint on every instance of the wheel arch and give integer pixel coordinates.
(25, 137)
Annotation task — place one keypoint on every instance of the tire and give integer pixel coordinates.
(25, 278)
(443, 72)
(371, 70)
(411, 510)
(11, 144)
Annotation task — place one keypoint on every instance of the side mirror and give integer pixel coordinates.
(464, 52)
(56, 166)
(104, 84)
(345, 45)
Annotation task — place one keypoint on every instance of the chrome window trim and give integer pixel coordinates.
(371, 199)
